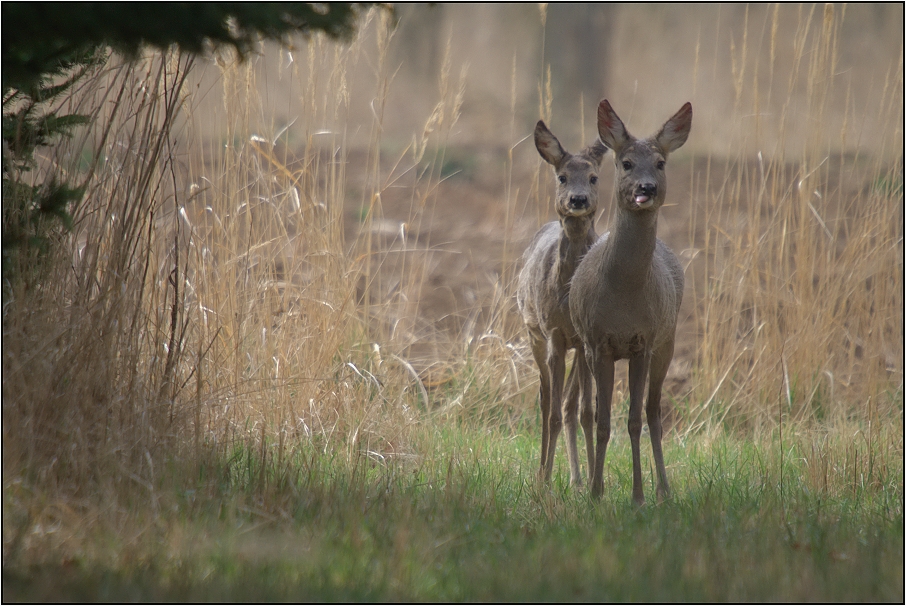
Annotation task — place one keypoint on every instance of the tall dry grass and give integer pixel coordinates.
(94, 337)
(305, 335)
(800, 295)
(209, 298)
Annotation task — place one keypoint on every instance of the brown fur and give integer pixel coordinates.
(626, 293)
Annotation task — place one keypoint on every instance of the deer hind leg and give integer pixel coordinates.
(659, 364)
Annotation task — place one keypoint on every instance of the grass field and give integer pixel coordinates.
(460, 518)
(267, 364)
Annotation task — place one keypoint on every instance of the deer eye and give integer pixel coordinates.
(660, 165)
(627, 165)
(562, 179)
(593, 179)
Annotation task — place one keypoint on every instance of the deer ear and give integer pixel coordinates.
(596, 151)
(548, 146)
(675, 130)
(610, 128)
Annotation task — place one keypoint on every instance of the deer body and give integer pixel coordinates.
(626, 293)
(543, 298)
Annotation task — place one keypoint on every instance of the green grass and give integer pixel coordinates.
(461, 518)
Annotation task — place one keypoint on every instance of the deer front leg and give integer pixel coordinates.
(539, 352)
(602, 367)
(638, 373)
(586, 410)
(557, 364)
(570, 418)
(659, 365)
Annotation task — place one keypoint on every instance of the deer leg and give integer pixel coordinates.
(602, 366)
(539, 351)
(586, 412)
(659, 365)
(588, 420)
(557, 364)
(570, 419)
(638, 372)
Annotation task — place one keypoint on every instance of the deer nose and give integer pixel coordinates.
(648, 189)
(578, 202)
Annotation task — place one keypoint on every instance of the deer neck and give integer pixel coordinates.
(631, 246)
(577, 234)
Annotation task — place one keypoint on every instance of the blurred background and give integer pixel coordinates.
(797, 131)
(742, 66)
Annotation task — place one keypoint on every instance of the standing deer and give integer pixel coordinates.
(626, 293)
(543, 297)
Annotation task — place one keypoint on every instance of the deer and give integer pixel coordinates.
(543, 298)
(626, 293)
